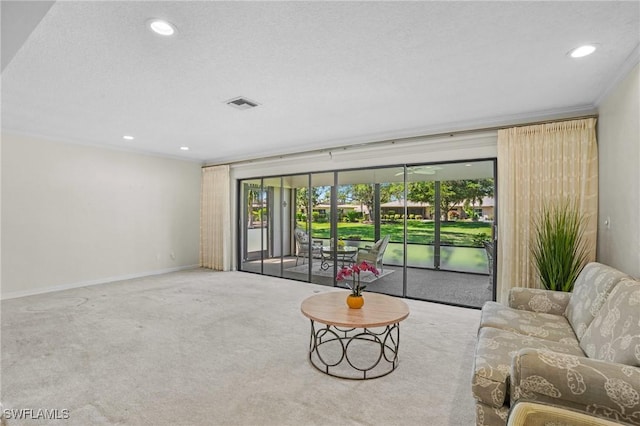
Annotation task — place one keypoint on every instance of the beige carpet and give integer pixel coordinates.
(210, 348)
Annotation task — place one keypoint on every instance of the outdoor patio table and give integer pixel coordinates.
(345, 255)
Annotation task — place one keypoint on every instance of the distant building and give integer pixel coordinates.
(420, 209)
(484, 210)
(324, 210)
(414, 208)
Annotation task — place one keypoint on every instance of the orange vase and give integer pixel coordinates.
(355, 302)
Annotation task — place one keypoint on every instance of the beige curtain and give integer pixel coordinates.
(536, 165)
(215, 219)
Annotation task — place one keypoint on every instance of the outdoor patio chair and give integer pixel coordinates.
(373, 254)
(302, 246)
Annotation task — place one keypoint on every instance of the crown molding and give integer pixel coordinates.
(78, 142)
(632, 60)
(476, 127)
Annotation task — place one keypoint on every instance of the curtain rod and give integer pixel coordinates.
(401, 140)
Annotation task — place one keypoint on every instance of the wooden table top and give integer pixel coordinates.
(331, 308)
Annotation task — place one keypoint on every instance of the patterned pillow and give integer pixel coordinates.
(591, 289)
(614, 334)
(302, 236)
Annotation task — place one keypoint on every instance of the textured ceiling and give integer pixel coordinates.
(325, 73)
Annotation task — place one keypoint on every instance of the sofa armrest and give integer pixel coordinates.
(537, 300)
(600, 388)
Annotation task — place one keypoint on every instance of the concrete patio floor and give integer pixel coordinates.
(457, 288)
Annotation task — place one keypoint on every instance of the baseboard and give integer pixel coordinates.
(16, 294)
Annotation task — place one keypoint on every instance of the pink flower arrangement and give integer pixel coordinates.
(354, 272)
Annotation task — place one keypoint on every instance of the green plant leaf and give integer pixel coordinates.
(559, 250)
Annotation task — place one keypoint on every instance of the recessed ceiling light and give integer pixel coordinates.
(468, 165)
(128, 137)
(582, 51)
(184, 148)
(162, 27)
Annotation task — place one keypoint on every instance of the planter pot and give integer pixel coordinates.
(355, 302)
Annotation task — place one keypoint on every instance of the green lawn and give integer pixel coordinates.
(458, 233)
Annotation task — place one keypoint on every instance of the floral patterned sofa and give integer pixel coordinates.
(579, 350)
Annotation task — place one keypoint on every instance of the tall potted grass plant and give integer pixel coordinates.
(559, 250)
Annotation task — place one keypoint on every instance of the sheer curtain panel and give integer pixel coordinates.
(538, 165)
(215, 220)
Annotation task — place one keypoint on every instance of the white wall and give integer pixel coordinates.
(75, 215)
(420, 150)
(619, 176)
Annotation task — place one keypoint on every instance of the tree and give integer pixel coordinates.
(391, 191)
(452, 193)
(252, 195)
(344, 194)
(476, 190)
(363, 193)
(421, 192)
(302, 199)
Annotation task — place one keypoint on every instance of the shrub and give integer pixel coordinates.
(353, 215)
(418, 217)
(478, 239)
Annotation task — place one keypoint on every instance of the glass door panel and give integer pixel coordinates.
(459, 199)
(364, 225)
(420, 206)
(272, 216)
(296, 264)
(321, 229)
(252, 229)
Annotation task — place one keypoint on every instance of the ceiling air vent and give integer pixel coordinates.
(242, 103)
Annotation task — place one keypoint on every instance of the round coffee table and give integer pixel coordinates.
(354, 343)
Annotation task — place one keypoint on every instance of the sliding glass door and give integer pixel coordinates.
(362, 226)
(426, 228)
(460, 211)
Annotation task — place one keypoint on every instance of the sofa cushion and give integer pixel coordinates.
(495, 349)
(539, 300)
(602, 388)
(591, 289)
(537, 324)
(614, 334)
